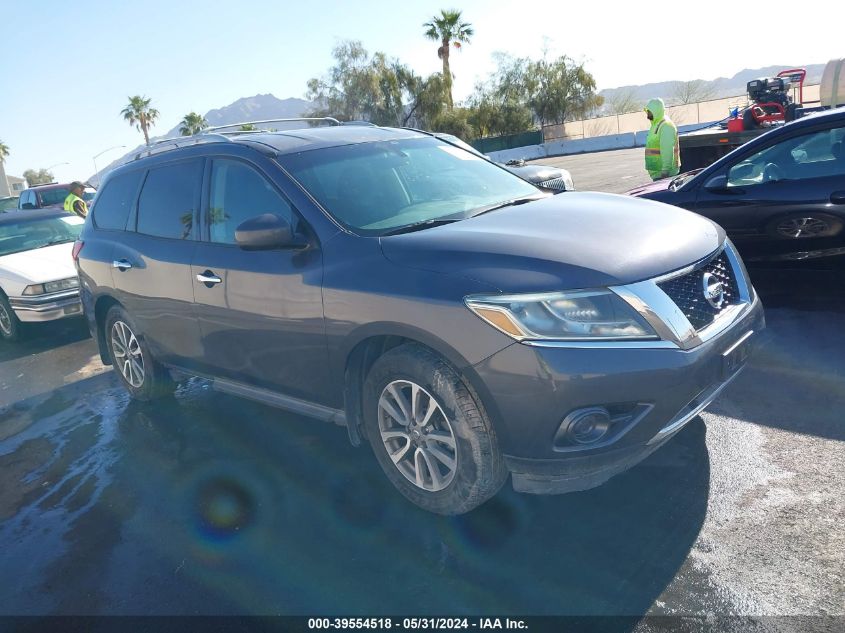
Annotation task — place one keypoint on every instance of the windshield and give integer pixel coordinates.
(31, 234)
(50, 197)
(8, 203)
(377, 188)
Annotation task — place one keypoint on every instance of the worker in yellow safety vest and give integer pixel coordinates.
(662, 154)
(74, 202)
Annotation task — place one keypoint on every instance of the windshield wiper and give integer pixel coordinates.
(54, 242)
(508, 203)
(419, 226)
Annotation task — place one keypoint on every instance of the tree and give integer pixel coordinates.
(139, 113)
(192, 123)
(449, 31)
(624, 100)
(455, 122)
(247, 127)
(40, 177)
(4, 151)
(494, 113)
(374, 88)
(693, 91)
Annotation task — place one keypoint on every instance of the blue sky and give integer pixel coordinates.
(67, 68)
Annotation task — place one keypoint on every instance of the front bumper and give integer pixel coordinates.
(49, 307)
(530, 390)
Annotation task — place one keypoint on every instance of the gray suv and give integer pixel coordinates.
(465, 324)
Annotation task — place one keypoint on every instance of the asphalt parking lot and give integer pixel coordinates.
(208, 504)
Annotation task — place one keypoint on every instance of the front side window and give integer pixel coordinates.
(169, 199)
(31, 234)
(814, 155)
(116, 201)
(379, 187)
(238, 193)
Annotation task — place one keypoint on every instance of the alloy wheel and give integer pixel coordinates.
(803, 227)
(5, 321)
(418, 435)
(127, 354)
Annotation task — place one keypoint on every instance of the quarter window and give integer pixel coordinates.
(238, 193)
(116, 200)
(168, 200)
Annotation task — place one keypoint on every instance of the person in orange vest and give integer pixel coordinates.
(662, 153)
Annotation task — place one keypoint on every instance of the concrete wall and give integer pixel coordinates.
(632, 122)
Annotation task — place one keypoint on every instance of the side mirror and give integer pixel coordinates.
(266, 232)
(717, 183)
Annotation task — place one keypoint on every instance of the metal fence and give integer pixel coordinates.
(498, 143)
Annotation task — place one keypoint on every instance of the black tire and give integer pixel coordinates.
(155, 381)
(479, 469)
(818, 225)
(748, 120)
(10, 327)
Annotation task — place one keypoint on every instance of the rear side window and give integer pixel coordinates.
(116, 200)
(169, 199)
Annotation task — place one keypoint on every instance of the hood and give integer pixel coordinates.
(580, 240)
(657, 185)
(41, 264)
(535, 173)
(657, 108)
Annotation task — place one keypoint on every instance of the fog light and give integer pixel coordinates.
(586, 426)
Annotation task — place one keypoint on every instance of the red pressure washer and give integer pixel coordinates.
(771, 100)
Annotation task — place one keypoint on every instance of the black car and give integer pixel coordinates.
(467, 325)
(780, 196)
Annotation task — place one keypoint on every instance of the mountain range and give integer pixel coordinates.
(716, 89)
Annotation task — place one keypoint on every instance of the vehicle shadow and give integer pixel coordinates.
(40, 337)
(214, 505)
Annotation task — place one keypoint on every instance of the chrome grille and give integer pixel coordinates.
(557, 184)
(687, 291)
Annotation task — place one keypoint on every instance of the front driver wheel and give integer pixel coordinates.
(10, 326)
(429, 432)
(141, 375)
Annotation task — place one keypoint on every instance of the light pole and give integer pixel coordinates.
(97, 171)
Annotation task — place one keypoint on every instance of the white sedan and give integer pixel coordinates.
(38, 281)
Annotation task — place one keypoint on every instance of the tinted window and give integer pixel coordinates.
(55, 197)
(238, 193)
(814, 155)
(168, 200)
(116, 200)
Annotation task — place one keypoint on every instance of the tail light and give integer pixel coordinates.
(77, 246)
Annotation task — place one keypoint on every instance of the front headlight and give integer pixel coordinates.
(52, 286)
(582, 315)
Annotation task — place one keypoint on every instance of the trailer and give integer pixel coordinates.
(770, 105)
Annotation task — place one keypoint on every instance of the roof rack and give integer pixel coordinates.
(325, 119)
(172, 143)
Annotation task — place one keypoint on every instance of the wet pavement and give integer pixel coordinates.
(208, 504)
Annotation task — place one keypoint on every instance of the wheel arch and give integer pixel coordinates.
(371, 342)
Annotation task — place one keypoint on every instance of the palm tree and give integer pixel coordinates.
(4, 151)
(192, 123)
(139, 113)
(448, 29)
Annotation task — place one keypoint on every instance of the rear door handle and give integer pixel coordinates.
(121, 264)
(838, 197)
(208, 278)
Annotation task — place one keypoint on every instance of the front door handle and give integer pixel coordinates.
(208, 278)
(838, 197)
(121, 264)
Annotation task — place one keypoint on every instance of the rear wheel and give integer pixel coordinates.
(141, 375)
(430, 433)
(10, 326)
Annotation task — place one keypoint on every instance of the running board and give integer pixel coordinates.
(289, 403)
